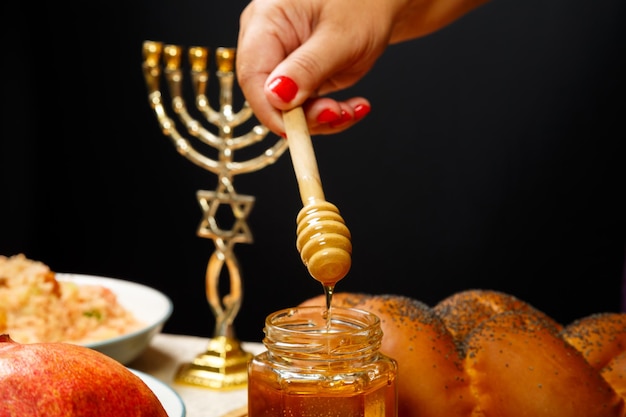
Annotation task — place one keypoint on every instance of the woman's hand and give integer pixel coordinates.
(295, 52)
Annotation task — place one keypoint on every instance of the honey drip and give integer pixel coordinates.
(328, 292)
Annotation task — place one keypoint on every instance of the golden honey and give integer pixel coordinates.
(319, 365)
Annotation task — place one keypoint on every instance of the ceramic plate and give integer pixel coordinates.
(171, 401)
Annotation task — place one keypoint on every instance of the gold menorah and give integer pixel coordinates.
(224, 364)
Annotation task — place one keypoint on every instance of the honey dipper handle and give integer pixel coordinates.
(303, 156)
(323, 239)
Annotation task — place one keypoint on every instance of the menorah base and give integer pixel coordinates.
(223, 366)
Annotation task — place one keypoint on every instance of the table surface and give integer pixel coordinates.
(167, 352)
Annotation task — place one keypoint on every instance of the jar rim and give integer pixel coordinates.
(305, 331)
(314, 319)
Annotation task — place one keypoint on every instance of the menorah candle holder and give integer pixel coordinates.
(224, 364)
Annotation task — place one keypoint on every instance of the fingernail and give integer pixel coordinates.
(284, 87)
(345, 117)
(361, 110)
(327, 116)
(283, 135)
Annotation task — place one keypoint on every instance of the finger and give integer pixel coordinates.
(347, 114)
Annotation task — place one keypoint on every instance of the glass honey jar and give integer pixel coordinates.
(322, 363)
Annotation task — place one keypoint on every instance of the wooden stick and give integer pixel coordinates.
(303, 156)
(322, 236)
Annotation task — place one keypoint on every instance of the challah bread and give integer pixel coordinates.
(463, 311)
(481, 353)
(615, 374)
(519, 366)
(430, 375)
(601, 338)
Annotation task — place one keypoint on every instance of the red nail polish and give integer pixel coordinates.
(327, 116)
(361, 110)
(345, 117)
(284, 87)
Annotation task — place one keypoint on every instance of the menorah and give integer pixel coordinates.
(224, 364)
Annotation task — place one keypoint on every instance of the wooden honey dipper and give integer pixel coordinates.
(323, 239)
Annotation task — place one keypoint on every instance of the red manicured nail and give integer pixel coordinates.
(361, 110)
(284, 87)
(327, 116)
(345, 117)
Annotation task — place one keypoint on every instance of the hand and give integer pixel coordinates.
(295, 52)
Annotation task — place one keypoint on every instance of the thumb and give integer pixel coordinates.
(325, 63)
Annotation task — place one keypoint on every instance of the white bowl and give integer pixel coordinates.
(147, 304)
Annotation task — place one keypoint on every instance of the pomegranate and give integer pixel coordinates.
(62, 379)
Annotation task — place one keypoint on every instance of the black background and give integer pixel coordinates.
(493, 158)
